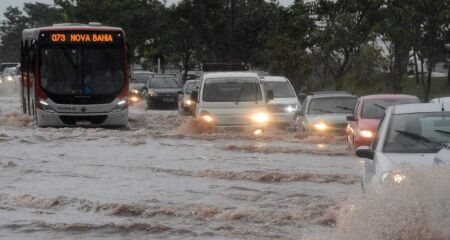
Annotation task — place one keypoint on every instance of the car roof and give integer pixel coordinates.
(331, 94)
(230, 74)
(421, 108)
(142, 71)
(274, 79)
(387, 96)
(442, 99)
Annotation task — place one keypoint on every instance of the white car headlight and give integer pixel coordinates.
(394, 176)
(321, 126)
(260, 117)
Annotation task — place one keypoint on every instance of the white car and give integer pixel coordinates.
(442, 99)
(408, 135)
(285, 105)
(232, 100)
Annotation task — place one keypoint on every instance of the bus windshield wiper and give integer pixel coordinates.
(321, 110)
(345, 108)
(378, 105)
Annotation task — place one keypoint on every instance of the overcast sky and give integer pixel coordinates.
(19, 3)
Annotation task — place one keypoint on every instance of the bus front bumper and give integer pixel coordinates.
(117, 118)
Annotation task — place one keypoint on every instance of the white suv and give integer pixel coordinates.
(232, 100)
(285, 105)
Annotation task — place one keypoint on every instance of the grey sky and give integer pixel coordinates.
(19, 3)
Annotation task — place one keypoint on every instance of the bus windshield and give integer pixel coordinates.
(75, 70)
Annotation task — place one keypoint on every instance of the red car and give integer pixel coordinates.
(369, 110)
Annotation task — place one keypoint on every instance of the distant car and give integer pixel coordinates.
(442, 99)
(408, 134)
(185, 104)
(285, 104)
(366, 117)
(162, 90)
(11, 75)
(324, 112)
(3, 66)
(138, 80)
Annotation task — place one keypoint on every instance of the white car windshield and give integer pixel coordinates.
(280, 89)
(231, 90)
(418, 133)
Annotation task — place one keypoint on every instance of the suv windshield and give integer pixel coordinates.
(374, 109)
(418, 133)
(140, 77)
(280, 89)
(231, 90)
(163, 82)
(328, 105)
(75, 70)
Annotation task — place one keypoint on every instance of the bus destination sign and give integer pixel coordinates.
(82, 37)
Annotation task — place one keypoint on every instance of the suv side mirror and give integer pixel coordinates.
(194, 96)
(351, 118)
(269, 95)
(364, 152)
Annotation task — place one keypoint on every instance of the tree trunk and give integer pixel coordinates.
(416, 67)
(448, 74)
(428, 87)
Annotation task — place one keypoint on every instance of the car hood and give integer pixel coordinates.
(284, 101)
(328, 118)
(368, 124)
(165, 90)
(137, 85)
(413, 159)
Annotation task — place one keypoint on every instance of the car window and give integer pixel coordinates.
(280, 89)
(375, 108)
(377, 133)
(305, 105)
(330, 105)
(355, 111)
(140, 77)
(418, 132)
(231, 90)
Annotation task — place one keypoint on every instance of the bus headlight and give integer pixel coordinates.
(320, 126)
(260, 117)
(120, 105)
(365, 134)
(45, 106)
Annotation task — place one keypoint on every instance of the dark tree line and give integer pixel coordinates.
(361, 45)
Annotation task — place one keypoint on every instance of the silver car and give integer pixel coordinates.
(408, 135)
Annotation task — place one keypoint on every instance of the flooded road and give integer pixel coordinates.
(160, 179)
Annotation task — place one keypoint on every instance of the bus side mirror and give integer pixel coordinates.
(194, 96)
(269, 95)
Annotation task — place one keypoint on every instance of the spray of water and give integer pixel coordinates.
(417, 208)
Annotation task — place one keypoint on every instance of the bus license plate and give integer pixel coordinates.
(83, 123)
(168, 100)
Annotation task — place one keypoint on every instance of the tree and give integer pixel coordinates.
(11, 34)
(344, 27)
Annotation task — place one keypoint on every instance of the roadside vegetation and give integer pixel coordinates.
(364, 46)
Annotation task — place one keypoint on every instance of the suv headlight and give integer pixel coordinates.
(260, 117)
(291, 108)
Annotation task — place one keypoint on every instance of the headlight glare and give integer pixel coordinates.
(366, 134)
(291, 108)
(394, 176)
(320, 126)
(260, 117)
